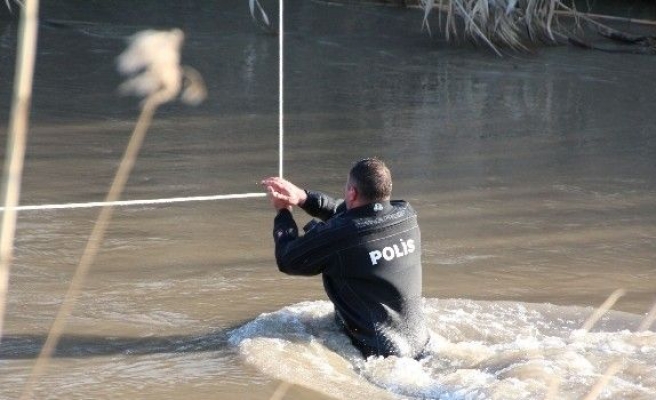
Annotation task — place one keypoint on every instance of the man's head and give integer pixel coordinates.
(369, 181)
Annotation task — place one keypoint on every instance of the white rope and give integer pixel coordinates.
(281, 35)
(136, 202)
(281, 130)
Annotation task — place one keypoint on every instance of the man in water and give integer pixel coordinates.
(368, 249)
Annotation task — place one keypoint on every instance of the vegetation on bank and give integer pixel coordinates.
(521, 24)
(517, 24)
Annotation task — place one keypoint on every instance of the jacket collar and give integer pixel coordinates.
(375, 208)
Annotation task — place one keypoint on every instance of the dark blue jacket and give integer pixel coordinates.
(370, 259)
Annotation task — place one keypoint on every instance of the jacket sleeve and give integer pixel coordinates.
(322, 206)
(303, 255)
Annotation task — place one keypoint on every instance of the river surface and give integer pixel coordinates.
(534, 177)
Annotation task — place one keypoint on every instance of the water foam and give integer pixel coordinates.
(478, 350)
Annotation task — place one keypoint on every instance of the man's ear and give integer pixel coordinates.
(352, 194)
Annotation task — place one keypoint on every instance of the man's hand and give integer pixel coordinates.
(283, 193)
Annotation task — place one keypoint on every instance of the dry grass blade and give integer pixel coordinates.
(471, 24)
(552, 389)
(281, 391)
(260, 16)
(17, 138)
(603, 381)
(494, 22)
(159, 77)
(504, 23)
(8, 4)
(603, 309)
(91, 249)
(568, 13)
(648, 320)
(427, 5)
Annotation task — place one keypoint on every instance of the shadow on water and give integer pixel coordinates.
(28, 346)
(24, 347)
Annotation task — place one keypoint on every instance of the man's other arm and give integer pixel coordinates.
(302, 255)
(322, 206)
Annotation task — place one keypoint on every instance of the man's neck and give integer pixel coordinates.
(359, 203)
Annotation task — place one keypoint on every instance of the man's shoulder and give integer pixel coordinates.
(400, 203)
(403, 205)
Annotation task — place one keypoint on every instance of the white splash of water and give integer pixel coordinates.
(478, 350)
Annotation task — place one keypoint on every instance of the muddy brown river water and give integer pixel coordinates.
(534, 177)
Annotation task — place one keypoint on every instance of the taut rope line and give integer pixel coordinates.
(124, 203)
(281, 121)
(135, 202)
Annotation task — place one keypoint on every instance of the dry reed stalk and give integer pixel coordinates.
(497, 22)
(8, 4)
(648, 320)
(599, 312)
(574, 13)
(159, 75)
(503, 22)
(614, 367)
(17, 138)
(603, 381)
(552, 389)
(281, 391)
(93, 244)
(260, 16)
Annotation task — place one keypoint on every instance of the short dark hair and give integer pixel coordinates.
(372, 179)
